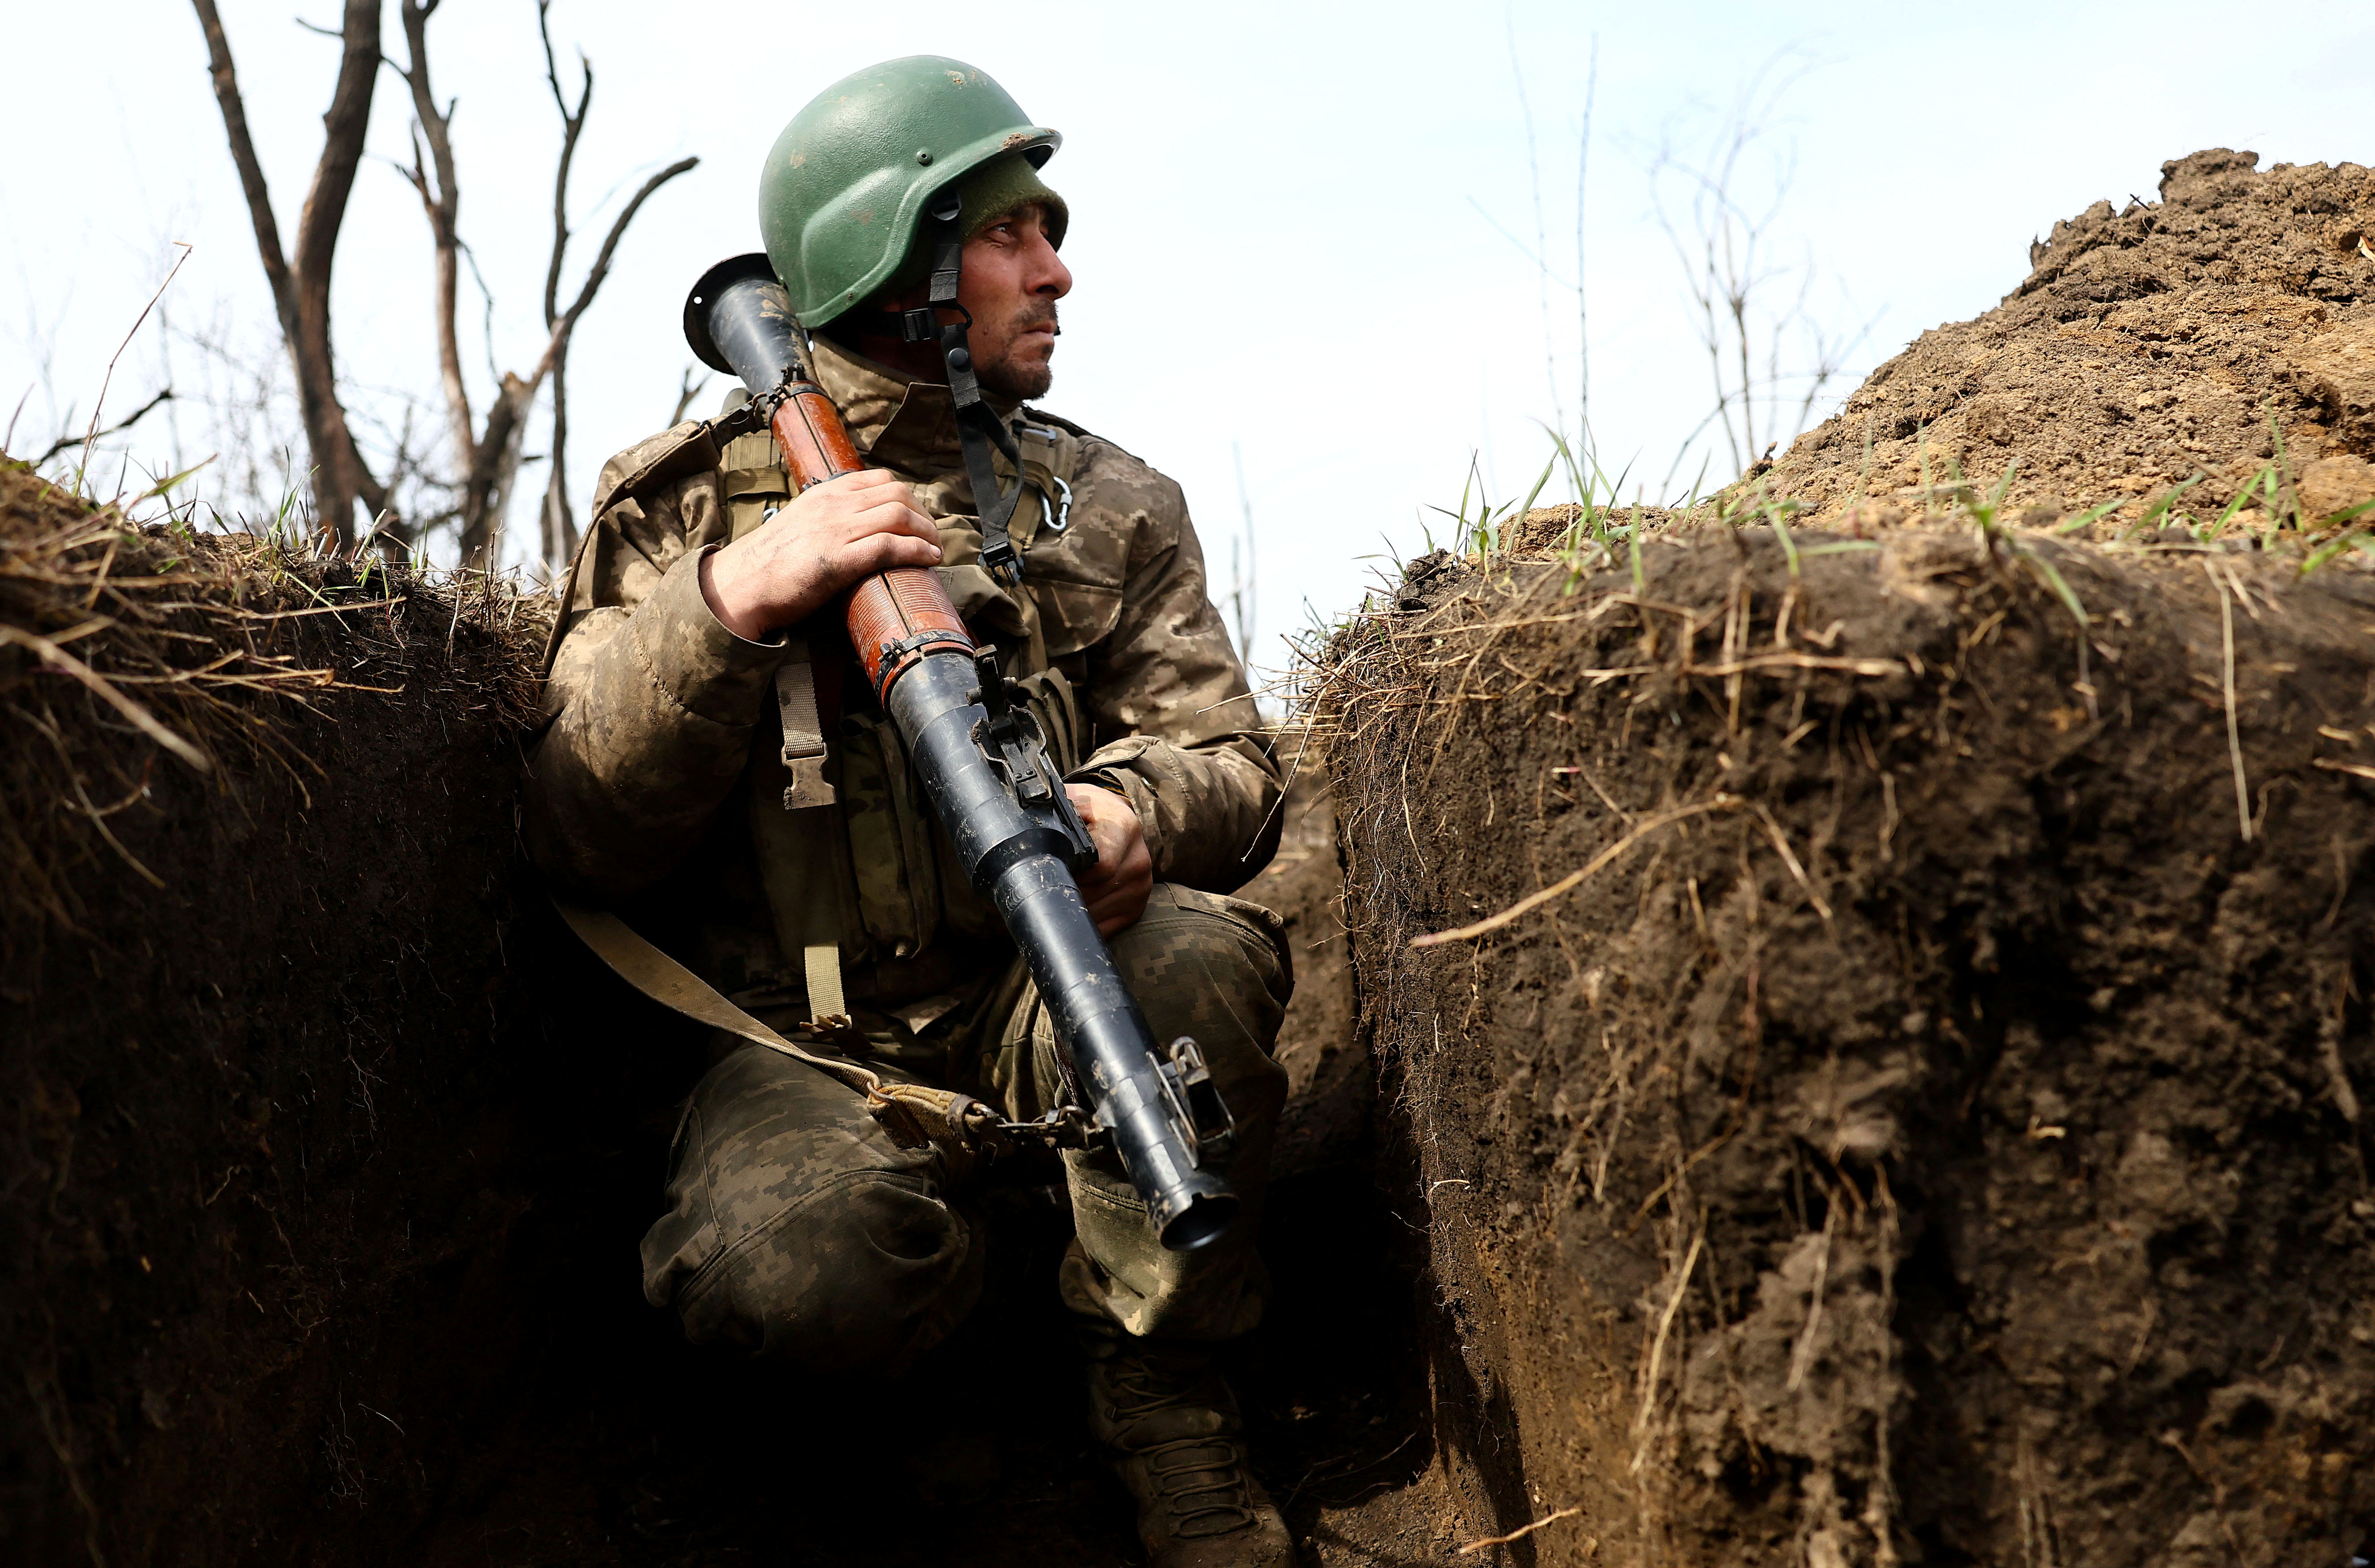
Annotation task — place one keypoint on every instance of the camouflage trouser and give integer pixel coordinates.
(799, 1232)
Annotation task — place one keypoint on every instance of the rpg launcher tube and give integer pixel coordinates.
(1017, 859)
(917, 656)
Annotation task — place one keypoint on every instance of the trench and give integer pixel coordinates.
(329, 1158)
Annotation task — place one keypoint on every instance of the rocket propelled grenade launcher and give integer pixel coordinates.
(984, 764)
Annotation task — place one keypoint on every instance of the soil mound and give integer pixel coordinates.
(1872, 1009)
(2228, 326)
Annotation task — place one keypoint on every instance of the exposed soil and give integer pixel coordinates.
(1901, 1097)
(1933, 1133)
(2173, 338)
(262, 1166)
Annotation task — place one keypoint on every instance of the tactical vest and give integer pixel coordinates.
(848, 852)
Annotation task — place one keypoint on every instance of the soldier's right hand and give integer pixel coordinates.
(827, 540)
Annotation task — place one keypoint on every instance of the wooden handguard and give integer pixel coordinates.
(896, 617)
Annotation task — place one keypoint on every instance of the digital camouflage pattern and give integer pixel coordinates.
(798, 1231)
(657, 788)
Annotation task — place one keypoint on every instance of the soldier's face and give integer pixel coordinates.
(1012, 280)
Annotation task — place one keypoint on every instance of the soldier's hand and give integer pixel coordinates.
(1116, 888)
(828, 539)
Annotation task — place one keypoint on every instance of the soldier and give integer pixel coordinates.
(698, 638)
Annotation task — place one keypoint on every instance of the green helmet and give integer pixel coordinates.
(844, 186)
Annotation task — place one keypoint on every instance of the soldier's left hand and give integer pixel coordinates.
(1116, 888)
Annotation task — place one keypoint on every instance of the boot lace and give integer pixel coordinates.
(1201, 1480)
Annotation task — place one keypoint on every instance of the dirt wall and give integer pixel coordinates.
(265, 1167)
(1871, 996)
(1930, 1130)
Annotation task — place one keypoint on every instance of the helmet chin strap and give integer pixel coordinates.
(979, 427)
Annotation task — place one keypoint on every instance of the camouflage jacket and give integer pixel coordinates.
(656, 786)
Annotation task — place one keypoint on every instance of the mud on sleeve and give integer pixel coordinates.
(1176, 731)
(650, 704)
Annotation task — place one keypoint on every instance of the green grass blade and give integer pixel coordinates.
(1781, 532)
(2251, 488)
(2331, 549)
(2060, 586)
(2159, 508)
(2089, 517)
(164, 484)
(2003, 485)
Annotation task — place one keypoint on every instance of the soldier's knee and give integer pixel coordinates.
(1215, 968)
(797, 1230)
(859, 1275)
(1212, 966)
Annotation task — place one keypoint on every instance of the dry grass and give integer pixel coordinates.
(127, 647)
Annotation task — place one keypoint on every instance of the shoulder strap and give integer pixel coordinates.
(804, 743)
(668, 982)
(961, 1126)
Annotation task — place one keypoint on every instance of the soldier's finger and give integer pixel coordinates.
(1107, 912)
(859, 483)
(894, 516)
(879, 552)
(882, 489)
(849, 496)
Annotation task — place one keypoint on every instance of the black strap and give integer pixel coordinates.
(919, 325)
(979, 427)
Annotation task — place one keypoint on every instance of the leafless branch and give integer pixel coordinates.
(300, 283)
(441, 200)
(601, 269)
(1723, 235)
(572, 124)
(560, 535)
(687, 389)
(68, 442)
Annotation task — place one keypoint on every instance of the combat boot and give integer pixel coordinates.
(1170, 1428)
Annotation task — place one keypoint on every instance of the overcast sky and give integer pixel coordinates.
(1299, 232)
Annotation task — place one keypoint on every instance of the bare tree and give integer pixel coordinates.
(300, 283)
(1769, 356)
(489, 460)
(483, 457)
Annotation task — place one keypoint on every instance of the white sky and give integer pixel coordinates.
(1276, 230)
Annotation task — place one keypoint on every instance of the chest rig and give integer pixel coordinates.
(855, 869)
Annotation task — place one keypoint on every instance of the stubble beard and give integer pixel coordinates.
(1020, 379)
